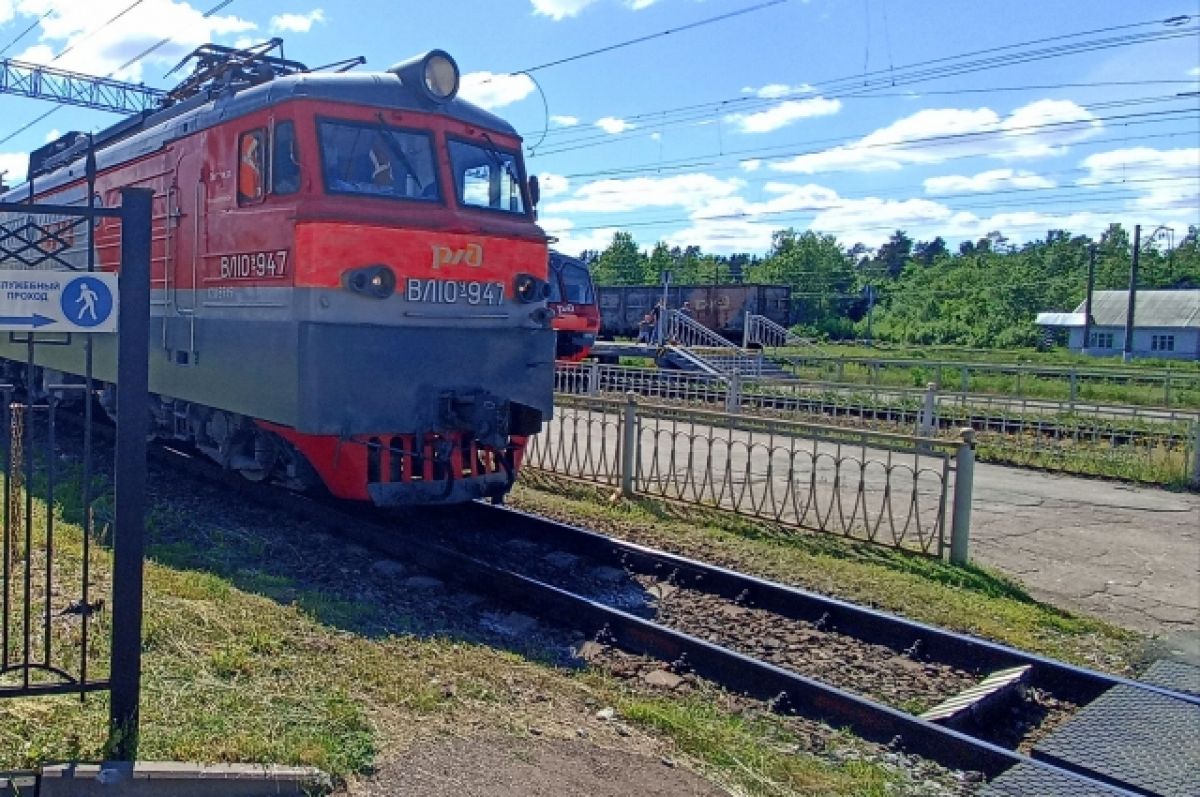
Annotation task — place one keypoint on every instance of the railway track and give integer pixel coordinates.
(533, 565)
(757, 638)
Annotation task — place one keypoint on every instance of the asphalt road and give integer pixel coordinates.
(1126, 553)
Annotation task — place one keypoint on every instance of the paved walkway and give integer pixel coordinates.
(1128, 554)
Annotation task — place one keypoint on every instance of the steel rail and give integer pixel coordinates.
(784, 691)
(863, 623)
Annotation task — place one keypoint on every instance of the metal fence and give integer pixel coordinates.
(901, 491)
(1125, 441)
(59, 614)
(1157, 387)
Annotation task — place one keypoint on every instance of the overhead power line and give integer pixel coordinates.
(210, 12)
(649, 37)
(862, 85)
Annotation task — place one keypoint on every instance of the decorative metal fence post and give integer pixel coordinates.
(927, 421)
(1196, 453)
(629, 445)
(593, 379)
(1074, 389)
(733, 394)
(133, 332)
(964, 470)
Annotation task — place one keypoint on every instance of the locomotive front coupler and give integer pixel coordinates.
(479, 412)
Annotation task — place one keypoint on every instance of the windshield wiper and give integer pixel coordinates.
(386, 133)
(495, 154)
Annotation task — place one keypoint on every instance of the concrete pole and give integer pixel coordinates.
(964, 478)
(629, 445)
(1087, 305)
(1133, 276)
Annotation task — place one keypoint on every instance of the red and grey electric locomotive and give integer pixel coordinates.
(348, 282)
(573, 300)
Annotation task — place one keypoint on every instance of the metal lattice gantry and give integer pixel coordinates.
(74, 88)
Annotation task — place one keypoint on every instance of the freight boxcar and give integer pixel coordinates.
(721, 308)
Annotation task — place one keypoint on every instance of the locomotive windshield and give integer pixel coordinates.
(377, 160)
(577, 284)
(487, 177)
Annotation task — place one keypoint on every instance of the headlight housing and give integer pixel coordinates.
(528, 288)
(434, 75)
(378, 282)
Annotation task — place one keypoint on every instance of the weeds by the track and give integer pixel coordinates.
(971, 599)
(268, 640)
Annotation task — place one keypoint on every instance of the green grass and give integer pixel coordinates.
(971, 599)
(255, 650)
(755, 754)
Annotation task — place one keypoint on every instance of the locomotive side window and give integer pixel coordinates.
(285, 160)
(377, 160)
(250, 166)
(487, 177)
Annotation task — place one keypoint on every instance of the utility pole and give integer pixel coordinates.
(1133, 274)
(1087, 304)
(870, 310)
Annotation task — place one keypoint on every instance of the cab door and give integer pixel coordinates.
(188, 200)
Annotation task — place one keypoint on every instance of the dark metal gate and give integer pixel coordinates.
(71, 591)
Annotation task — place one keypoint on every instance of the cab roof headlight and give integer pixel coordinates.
(433, 75)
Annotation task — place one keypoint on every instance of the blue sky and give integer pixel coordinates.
(801, 114)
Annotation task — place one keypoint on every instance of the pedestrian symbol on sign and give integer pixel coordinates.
(86, 301)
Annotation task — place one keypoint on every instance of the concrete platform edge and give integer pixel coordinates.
(176, 779)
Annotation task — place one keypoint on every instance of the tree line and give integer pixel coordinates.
(987, 293)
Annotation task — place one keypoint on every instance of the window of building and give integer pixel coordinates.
(250, 185)
(1162, 343)
(1101, 340)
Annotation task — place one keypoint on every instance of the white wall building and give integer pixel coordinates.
(1166, 324)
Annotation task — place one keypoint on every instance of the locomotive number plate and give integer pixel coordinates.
(454, 291)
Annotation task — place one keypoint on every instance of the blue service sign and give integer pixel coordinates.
(58, 301)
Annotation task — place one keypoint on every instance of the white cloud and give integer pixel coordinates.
(574, 241)
(1194, 71)
(985, 181)
(613, 126)
(565, 121)
(296, 23)
(784, 114)
(96, 48)
(776, 91)
(638, 5)
(751, 165)
(1175, 185)
(493, 91)
(552, 184)
(559, 10)
(1046, 127)
(656, 136)
(934, 135)
(53, 134)
(13, 165)
(621, 196)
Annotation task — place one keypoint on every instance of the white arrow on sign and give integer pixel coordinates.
(58, 301)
